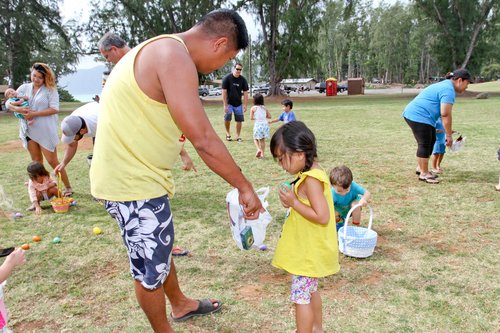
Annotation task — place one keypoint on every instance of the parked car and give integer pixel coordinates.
(341, 88)
(321, 87)
(203, 91)
(261, 89)
(376, 81)
(288, 89)
(434, 79)
(215, 92)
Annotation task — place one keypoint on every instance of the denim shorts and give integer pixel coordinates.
(302, 288)
(147, 230)
(439, 148)
(238, 113)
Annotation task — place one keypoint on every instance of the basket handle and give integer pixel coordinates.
(59, 193)
(346, 221)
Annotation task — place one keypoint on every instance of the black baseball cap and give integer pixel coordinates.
(460, 73)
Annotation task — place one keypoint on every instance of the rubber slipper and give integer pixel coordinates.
(67, 192)
(178, 252)
(429, 180)
(434, 174)
(205, 307)
(228, 138)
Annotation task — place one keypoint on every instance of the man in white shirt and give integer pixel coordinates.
(82, 122)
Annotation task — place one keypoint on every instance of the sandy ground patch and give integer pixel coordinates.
(16, 145)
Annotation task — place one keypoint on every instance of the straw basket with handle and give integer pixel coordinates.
(60, 204)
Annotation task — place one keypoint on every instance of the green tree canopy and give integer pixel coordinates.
(136, 21)
(459, 24)
(288, 37)
(32, 31)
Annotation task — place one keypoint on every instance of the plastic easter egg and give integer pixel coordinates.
(263, 247)
(18, 215)
(36, 238)
(56, 240)
(287, 184)
(97, 231)
(25, 246)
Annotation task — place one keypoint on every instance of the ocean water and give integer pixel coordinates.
(84, 97)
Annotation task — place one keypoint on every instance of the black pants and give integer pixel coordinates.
(426, 137)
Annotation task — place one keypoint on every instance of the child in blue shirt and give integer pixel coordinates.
(347, 193)
(288, 115)
(439, 147)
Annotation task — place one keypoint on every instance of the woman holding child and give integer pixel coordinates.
(41, 137)
(421, 114)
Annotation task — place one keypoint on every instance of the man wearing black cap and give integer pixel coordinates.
(82, 122)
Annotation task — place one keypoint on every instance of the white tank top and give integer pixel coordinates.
(260, 114)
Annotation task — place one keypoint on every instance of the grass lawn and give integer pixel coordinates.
(492, 86)
(435, 267)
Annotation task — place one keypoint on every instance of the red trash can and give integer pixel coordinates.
(331, 87)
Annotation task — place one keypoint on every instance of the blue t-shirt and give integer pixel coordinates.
(342, 203)
(426, 107)
(287, 117)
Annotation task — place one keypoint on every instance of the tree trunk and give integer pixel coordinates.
(421, 67)
(349, 65)
(485, 10)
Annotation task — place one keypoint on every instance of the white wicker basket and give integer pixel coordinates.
(357, 242)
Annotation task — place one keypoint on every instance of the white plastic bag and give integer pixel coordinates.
(255, 234)
(458, 144)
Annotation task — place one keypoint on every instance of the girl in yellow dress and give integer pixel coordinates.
(308, 247)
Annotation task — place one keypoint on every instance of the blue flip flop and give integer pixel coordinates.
(205, 307)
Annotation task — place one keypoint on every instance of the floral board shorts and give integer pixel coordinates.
(302, 288)
(147, 230)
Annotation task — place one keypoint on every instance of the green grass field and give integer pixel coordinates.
(492, 86)
(435, 267)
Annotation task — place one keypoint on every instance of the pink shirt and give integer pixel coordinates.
(34, 187)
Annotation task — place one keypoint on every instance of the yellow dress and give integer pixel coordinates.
(306, 248)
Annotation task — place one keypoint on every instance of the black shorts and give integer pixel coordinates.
(426, 137)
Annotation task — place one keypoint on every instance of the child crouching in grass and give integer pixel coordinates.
(308, 247)
(40, 186)
(347, 193)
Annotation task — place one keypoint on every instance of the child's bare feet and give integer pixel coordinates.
(437, 170)
(497, 187)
